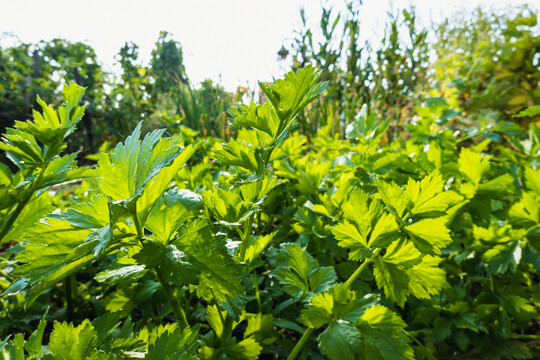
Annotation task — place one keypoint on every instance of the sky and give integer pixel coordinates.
(232, 42)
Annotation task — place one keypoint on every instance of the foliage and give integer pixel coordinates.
(410, 63)
(342, 249)
(385, 234)
(160, 91)
(487, 65)
(390, 79)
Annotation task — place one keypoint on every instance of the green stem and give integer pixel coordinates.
(6, 275)
(248, 228)
(6, 226)
(300, 344)
(138, 225)
(405, 216)
(257, 293)
(296, 350)
(179, 313)
(426, 351)
(69, 298)
(269, 152)
(532, 228)
(361, 268)
(465, 138)
(525, 337)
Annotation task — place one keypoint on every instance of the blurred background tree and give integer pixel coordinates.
(484, 65)
(487, 64)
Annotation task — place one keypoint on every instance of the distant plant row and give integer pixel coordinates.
(485, 65)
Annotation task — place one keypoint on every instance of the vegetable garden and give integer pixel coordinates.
(356, 211)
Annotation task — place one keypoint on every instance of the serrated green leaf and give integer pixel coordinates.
(64, 169)
(196, 259)
(247, 349)
(33, 345)
(367, 126)
(171, 343)
(159, 183)
(427, 196)
(384, 232)
(501, 247)
(356, 327)
(391, 270)
(392, 196)
(261, 328)
(4, 342)
(228, 206)
(501, 184)
(531, 111)
(426, 278)
(21, 148)
(260, 117)
(225, 346)
(473, 165)
(219, 275)
(511, 350)
(520, 308)
(339, 304)
(125, 172)
(300, 275)
(51, 127)
(430, 235)
(383, 335)
(235, 306)
(176, 265)
(123, 276)
(102, 237)
(290, 95)
(349, 237)
(341, 341)
(532, 180)
(319, 312)
(170, 211)
(44, 256)
(371, 226)
(402, 253)
(34, 211)
(393, 279)
(256, 246)
(503, 257)
(469, 321)
(14, 349)
(73, 343)
(526, 212)
(92, 215)
(419, 192)
(215, 318)
(357, 209)
(239, 154)
(256, 192)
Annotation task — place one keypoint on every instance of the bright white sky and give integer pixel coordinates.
(233, 42)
